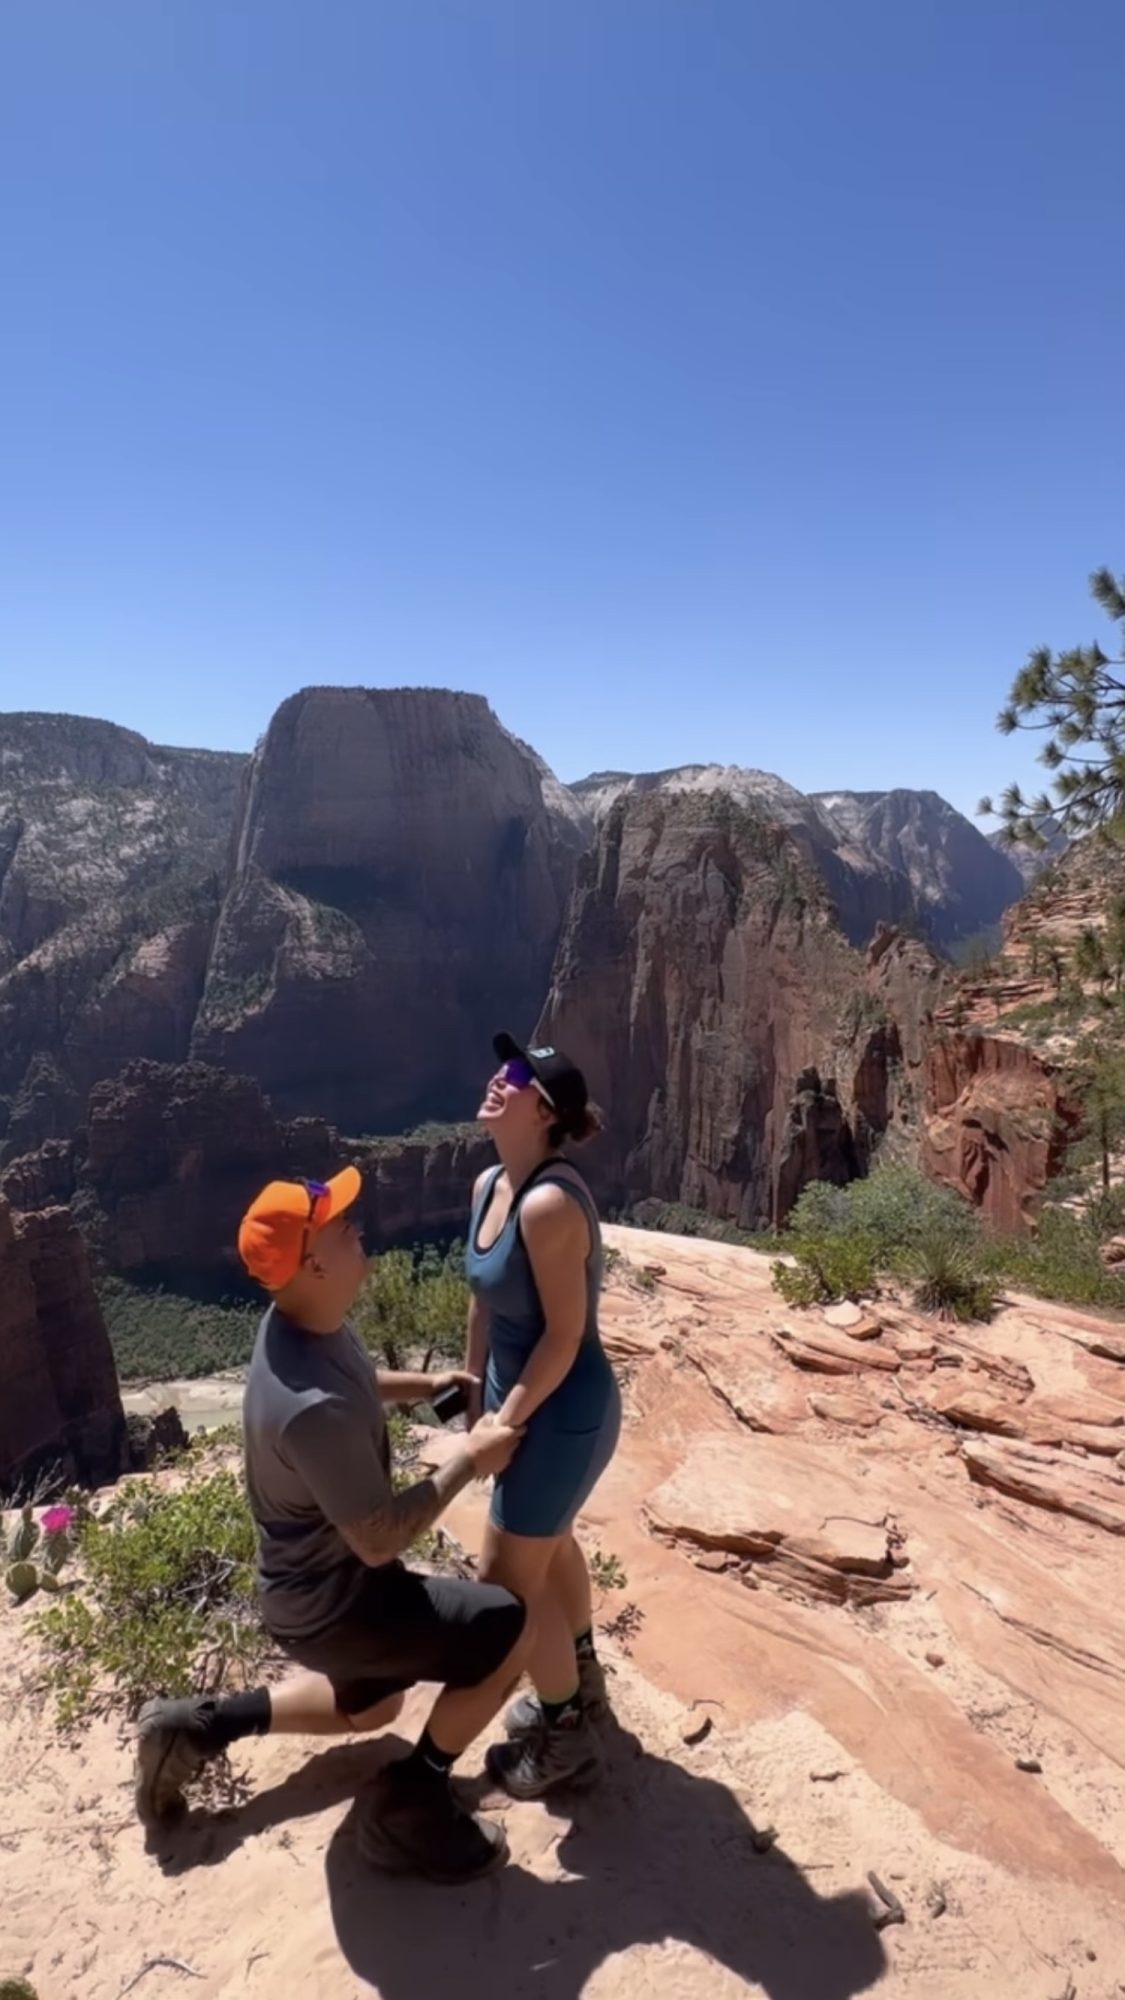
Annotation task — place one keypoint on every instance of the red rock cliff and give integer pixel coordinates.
(402, 870)
(61, 1406)
(737, 1041)
(998, 1122)
(171, 1155)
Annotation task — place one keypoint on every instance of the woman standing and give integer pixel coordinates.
(534, 1263)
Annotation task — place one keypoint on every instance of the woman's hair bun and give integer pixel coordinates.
(587, 1126)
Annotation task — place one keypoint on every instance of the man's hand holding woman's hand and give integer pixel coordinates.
(492, 1446)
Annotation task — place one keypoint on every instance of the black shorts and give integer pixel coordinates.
(405, 1627)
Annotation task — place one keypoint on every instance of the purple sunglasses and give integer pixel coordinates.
(520, 1076)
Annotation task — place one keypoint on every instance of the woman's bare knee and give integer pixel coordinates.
(518, 1563)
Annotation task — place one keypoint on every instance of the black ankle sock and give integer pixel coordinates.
(428, 1759)
(239, 1715)
(584, 1645)
(557, 1714)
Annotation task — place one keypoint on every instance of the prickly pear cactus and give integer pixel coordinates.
(23, 1580)
(25, 1537)
(55, 1551)
(49, 1579)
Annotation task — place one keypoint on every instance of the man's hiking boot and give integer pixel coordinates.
(526, 1716)
(175, 1739)
(415, 1826)
(529, 1767)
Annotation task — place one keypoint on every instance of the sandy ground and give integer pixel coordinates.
(867, 1713)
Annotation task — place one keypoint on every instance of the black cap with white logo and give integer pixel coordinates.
(560, 1080)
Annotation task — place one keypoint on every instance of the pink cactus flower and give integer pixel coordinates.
(58, 1521)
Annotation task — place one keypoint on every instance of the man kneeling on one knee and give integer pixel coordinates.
(332, 1532)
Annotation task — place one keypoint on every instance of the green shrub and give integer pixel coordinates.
(896, 1208)
(414, 1304)
(168, 1602)
(895, 1221)
(827, 1267)
(1105, 1212)
(1063, 1261)
(606, 1571)
(674, 1219)
(949, 1281)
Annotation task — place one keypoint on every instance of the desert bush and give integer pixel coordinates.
(949, 1281)
(167, 1601)
(827, 1267)
(895, 1208)
(895, 1222)
(1062, 1261)
(414, 1304)
(606, 1570)
(901, 1210)
(673, 1218)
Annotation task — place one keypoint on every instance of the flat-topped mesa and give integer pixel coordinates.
(402, 869)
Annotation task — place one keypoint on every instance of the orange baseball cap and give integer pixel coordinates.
(279, 1225)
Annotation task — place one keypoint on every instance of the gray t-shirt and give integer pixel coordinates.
(317, 1453)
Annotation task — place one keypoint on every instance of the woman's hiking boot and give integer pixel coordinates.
(526, 1716)
(550, 1757)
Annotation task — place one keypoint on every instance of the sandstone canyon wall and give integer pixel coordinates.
(864, 890)
(111, 857)
(60, 1408)
(347, 917)
(402, 870)
(999, 1119)
(170, 1156)
(1005, 1065)
(738, 1042)
(962, 883)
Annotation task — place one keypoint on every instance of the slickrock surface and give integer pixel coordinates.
(878, 1632)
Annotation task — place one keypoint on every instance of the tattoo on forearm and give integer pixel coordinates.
(392, 1528)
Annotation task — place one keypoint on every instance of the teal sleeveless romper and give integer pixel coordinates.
(573, 1434)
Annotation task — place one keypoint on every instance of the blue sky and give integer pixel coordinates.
(726, 379)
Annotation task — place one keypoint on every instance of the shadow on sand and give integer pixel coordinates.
(205, 1836)
(655, 1857)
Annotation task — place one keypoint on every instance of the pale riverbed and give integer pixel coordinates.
(204, 1404)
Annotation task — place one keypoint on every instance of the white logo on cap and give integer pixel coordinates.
(540, 1055)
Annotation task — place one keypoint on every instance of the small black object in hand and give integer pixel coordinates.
(449, 1403)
